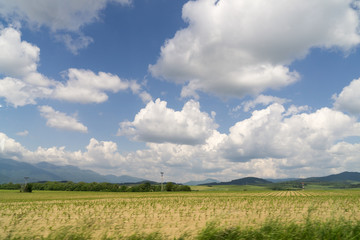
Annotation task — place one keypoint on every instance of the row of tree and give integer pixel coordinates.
(98, 187)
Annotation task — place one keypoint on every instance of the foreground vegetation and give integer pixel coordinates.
(188, 215)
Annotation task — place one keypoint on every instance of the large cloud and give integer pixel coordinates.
(60, 120)
(158, 123)
(235, 48)
(58, 15)
(300, 138)
(349, 98)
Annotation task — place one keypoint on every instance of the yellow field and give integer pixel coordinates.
(111, 215)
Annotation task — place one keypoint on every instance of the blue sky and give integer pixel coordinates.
(197, 89)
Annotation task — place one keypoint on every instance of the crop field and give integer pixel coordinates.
(101, 215)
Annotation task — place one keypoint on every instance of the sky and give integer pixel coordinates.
(197, 89)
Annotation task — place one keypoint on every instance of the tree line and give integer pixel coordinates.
(97, 187)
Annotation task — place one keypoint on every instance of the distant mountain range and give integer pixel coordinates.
(15, 171)
(341, 177)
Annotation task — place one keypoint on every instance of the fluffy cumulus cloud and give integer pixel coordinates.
(18, 58)
(298, 138)
(18, 62)
(60, 120)
(22, 84)
(235, 48)
(9, 148)
(346, 155)
(349, 99)
(58, 15)
(273, 142)
(84, 86)
(158, 123)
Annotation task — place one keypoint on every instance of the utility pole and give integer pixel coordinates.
(26, 178)
(162, 181)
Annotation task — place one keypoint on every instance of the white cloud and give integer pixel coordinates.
(58, 16)
(23, 133)
(145, 96)
(16, 92)
(19, 59)
(236, 48)
(60, 120)
(292, 110)
(346, 155)
(349, 98)
(271, 143)
(9, 148)
(22, 84)
(137, 89)
(20, 93)
(74, 44)
(103, 154)
(84, 86)
(260, 100)
(299, 138)
(158, 123)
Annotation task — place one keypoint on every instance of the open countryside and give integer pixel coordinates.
(175, 215)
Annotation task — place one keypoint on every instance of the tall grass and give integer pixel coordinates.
(338, 229)
(274, 229)
(89, 215)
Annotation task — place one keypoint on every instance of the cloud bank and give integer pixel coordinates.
(272, 142)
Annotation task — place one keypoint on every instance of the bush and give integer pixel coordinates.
(26, 188)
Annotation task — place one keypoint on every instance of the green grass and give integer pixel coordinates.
(17, 196)
(229, 188)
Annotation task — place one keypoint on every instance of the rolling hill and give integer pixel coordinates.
(242, 181)
(206, 181)
(341, 177)
(341, 180)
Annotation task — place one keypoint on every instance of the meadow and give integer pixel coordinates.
(174, 215)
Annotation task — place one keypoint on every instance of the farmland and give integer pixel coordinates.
(105, 215)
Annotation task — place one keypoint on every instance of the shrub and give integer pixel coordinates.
(26, 188)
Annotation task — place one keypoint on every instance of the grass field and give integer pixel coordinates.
(169, 215)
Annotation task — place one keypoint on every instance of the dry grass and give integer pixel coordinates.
(40, 214)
